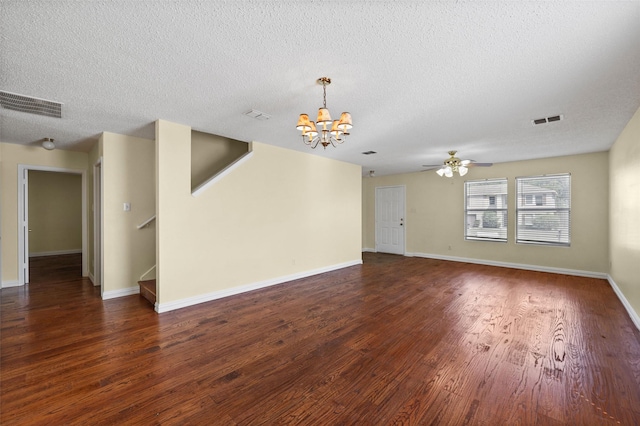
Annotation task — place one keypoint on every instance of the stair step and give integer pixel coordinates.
(148, 290)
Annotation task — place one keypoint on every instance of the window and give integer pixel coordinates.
(486, 210)
(543, 210)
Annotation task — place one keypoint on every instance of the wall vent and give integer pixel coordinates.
(546, 120)
(31, 105)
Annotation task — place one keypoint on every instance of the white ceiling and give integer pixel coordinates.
(419, 78)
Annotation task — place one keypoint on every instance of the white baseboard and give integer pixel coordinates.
(564, 271)
(369, 250)
(112, 294)
(7, 284)
(55, 253)
(190, 301)
(632, 313)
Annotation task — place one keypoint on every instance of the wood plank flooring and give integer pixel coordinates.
(397, 340)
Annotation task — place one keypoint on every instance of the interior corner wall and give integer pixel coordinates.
(434, 220)
(13, 155)
(279, 214)
(128, 177)
(624, 206)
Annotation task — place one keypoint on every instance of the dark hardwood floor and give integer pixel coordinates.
(397, 340)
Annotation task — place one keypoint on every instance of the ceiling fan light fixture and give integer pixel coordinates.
(332, 132)
(448, 172)
(462, 170)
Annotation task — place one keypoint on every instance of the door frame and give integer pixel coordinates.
(404, 208)
(97, 223)
(23, 217)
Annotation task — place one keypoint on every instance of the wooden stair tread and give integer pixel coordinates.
(148, 290)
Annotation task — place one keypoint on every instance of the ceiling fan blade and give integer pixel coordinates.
(432, 166)
(473, 164)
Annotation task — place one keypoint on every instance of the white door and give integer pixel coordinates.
(390, 223)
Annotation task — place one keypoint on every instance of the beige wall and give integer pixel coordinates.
(212, 153)
(435, 217)
(624, 205)
(55, 213)
(282, 212)
(12, 155)
(128, 177)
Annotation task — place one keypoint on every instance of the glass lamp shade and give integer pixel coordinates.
(303, 123)
(48, 144)
(462, 170)
(440, 172)
(448, 172)
(323, 116)
(345, 121)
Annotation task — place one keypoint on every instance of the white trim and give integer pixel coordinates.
(97, 231)
(190, 301)
(14, 283)
(92, 278)
(369, 250)
(147, 272)
(23, 225)
(576, 272)
(222, 173)
(632, 313)
(23, 243)
(54, 253)
(146, 222)
(112, 294)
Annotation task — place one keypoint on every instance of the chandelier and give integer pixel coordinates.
(453, 164)
(332, 131)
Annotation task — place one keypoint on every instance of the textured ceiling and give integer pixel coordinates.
(419, 78)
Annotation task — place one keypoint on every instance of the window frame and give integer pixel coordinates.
(525, 212)
(502, 212)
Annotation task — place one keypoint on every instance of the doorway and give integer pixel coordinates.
(390, 223)
(23, 217)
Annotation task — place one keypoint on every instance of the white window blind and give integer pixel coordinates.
(486, 210)
(543, 210)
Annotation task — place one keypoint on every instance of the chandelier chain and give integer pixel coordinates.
(324, 98)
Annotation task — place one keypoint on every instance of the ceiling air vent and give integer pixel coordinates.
(546, 120)
(258, 115)
(31, 105)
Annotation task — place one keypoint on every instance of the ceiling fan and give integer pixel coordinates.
(454, 164)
